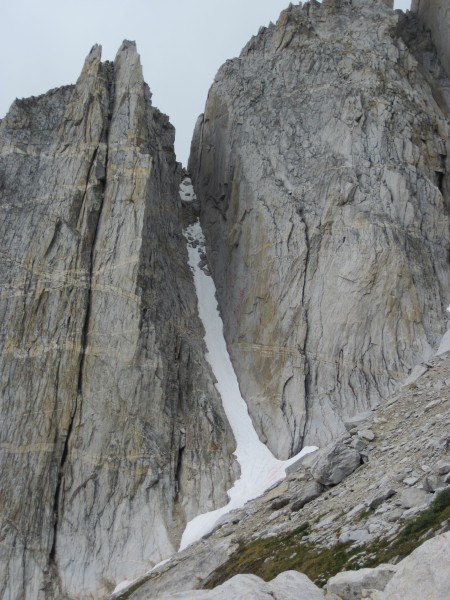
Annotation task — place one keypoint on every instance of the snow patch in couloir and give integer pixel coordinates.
(259, 468)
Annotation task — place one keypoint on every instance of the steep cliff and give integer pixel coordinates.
(112, 433)
(435, 15)
(321, 165)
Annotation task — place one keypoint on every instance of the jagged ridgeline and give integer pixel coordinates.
(112, 433)
(321, 168)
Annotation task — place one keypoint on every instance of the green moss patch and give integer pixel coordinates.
(414, 532)
(267, 557)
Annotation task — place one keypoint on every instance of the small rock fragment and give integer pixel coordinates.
(394, 515)
(381, 497)
(367, 434)
(279, 503)
(356, 421)
(411, 480)
(357, 535)
(443, 467)
(431, 483)
(358, 444)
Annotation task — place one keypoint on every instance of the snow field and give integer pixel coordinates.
(259, 468)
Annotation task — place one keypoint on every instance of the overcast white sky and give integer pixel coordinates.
(182, 44)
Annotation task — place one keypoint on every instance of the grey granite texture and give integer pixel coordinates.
(321, 166)
(112, 433)
(435, 16)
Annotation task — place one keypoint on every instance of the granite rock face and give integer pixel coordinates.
(322, 175)
(435, 15)
(112, 434)
(321, 166)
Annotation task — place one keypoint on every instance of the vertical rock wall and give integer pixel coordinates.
(112, 432)
(435, 15)
(321, 163)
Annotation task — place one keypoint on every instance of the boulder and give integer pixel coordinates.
(358, 444)
(380, 497)
(311, 491)
(424, 574)
(431, 483)
(367, 434)
(413, 497)
(334, 463)
(357, 535)
(394, 515)
(410, 481)
(289, 585)
(279, 503)
(276, 491)
(443, 467)
(349, 585)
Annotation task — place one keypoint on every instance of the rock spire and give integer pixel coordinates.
(112, 435)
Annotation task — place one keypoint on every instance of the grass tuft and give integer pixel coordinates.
(267, 557)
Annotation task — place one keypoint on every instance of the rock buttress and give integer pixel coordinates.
(321, 167)
(435, 16)
(112, 432)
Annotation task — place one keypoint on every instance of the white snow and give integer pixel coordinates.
(415, 374)
(444, 346)
(259, 468)
(422, 368)
(121, 587)
(187, 190)
(125, 585)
